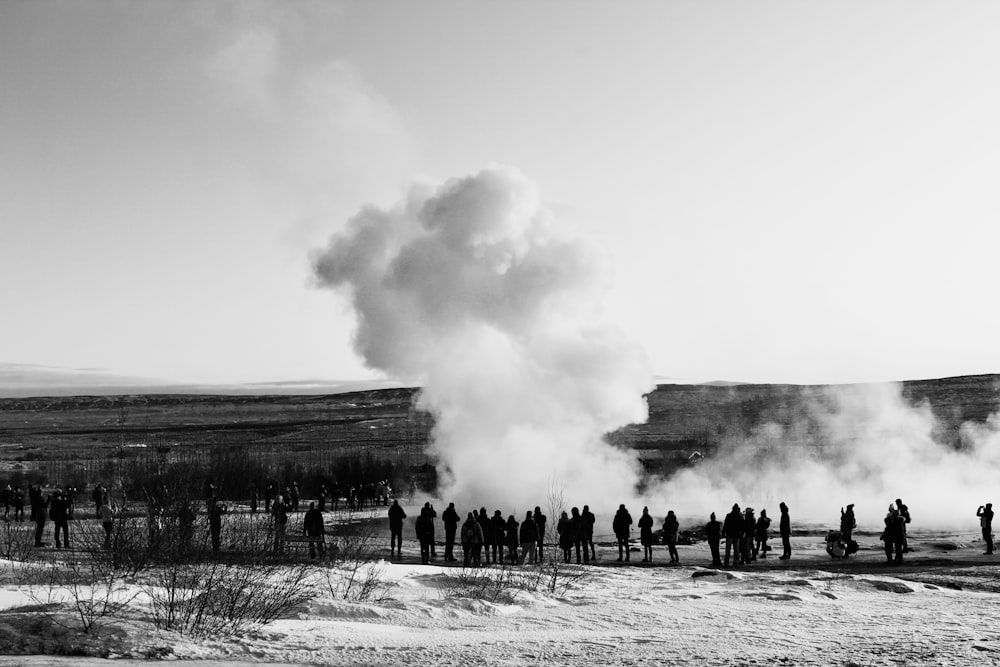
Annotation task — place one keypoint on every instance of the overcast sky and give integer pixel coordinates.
(787, 191)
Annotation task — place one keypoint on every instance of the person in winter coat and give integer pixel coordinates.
(540, 521)
(215, 512)
(760, 534)
(107, 522)
(511, 531)
(488, 540)
(732, 528)
(749, 524)
(588, 531)
(904, 513)
(529, 538)
(579, 539)
(565, 530)
(785, 530)
(985, 514)
(472, 542)
(396, 516)
(621, 525)
(670, 529)
(432, 513)
(39, 508)
(312, 526)
(894, 535)
(645, 525)
(847, 523)
(279, 513)
(59, 513)
(713, 533)
(497, 528)
(451, 521)
(424, 526)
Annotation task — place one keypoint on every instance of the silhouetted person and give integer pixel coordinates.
(760, 534)
(622, 526)
(425, 534)
(732, 528)
(497, 528)
(670, 529)
(713, 533)
(645, 525)
(59, 513)
(39, 508)
(185, 524)
(396, 516)
(215, 512)
(432, 514)
(513, 538)
(268, 496)
(588, 531)
(785, 530)
(107, 522)
(894, 535)
(847, 523)
(472, 542)
(529, 538)
(484, 522)
(985, 514)
(451, 520)
(18, 504)
(904, 513)
(565, 531)
(312, 526)
(280, 515)
(579, 540)
(749, 525)
(322, 498)
(97, 495)
(540, 521)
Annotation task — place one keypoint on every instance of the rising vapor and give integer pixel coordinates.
(472, 290)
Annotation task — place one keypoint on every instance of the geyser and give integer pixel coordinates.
(476, 292)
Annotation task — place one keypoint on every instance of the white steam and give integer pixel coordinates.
(472, 291)
(859, 444)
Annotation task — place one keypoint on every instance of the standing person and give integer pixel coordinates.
(579, 540)
(529, 538)
(70, 497)
(39, 507)
(894, 535)
(484, 522)
(253, 499)
(511, 531)
(59, 513)
(645, 525)
(497, 527)
(8, 497)
(540, 520)
(785, 530)
(713, 533)
(295, 496)
(985, 514)
(621, 525)
(396, 516)
(749, 524)
(312, 526)
(215, 512)
(19, 504)
(760, 533)
(451, 519)
(472, 542)
(588, 531)
(670, 529)
(322, 497)
(97, 495)
(185, 521)
(565, 532)
(268, 495)
(425, 534)
(732, 528)
(847, 523)
(904, 514)
(432, 514)
(280, 515)
(107, 522)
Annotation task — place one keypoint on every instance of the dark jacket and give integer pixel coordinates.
(540, 521)
(785, 524)
(713, 531)
(497, 528)
(645, 529)
(588, 524)
(424, 526)
(512, 533)
(670, 528)
(396, 516)
(450, 518)
(58, 509)
(472, 532)
(733, 524)
(621, 524)
(312, 524)
(529, 531)
(565, 529)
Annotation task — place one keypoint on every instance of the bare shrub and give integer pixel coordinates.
(17, 539)
(355, 571)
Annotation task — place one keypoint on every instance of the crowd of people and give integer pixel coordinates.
(487, 538)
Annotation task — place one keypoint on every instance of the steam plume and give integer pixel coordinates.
(472, 290)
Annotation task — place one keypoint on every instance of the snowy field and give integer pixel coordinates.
(940, 607)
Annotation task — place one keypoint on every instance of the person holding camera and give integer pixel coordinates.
(985, 514)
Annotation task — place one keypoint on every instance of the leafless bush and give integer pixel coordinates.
(355, 571)
(17, 539)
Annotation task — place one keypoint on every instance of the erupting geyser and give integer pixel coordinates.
(472, 290)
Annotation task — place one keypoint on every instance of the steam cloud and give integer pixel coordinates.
(860, 444)
(472, 290)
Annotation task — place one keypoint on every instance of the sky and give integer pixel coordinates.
(786, 192)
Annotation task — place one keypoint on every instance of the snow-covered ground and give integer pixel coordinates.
(940, 607)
